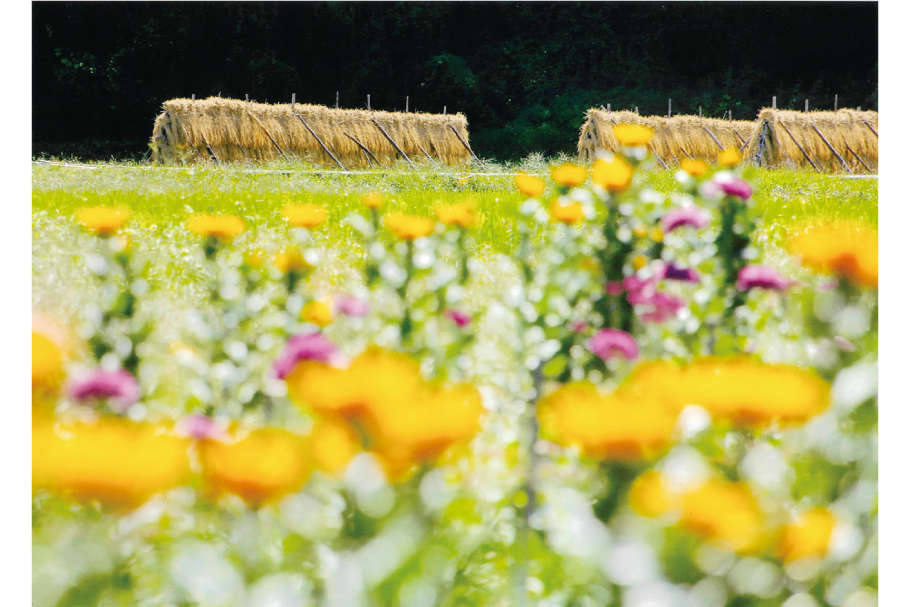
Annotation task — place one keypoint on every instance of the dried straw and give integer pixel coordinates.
(228, 130)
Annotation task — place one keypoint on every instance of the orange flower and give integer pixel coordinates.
(111, 460)
(408, 227)
(847, 249)
(724, 512)
(463, 214)
(651, 496)
(729, 157)
(530, 186)
(566, 213)
(695, 168)
(569, 174)
(290, 260)
(614, 175)
(334, 444)
(103, 221)
(632, 135)
(223, 227)
(372, 200)
(263, 466)
(304, 215)
(317, 312)
(808, 535)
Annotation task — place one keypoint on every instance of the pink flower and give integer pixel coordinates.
(762, 277)
(578, 326)
(729, 184)
(639, 290)
(614, 288)
(608, 343)
(661, 307)
(306, 346)
(462, 319)
(671, 271)
(686, 216)
(119, 386)
(199, 427)
(351, 306)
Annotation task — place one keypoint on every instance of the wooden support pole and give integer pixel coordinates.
(407, 101)
(743, 146)
(392, 141)
(336, 100)
(735, 132)
(464, 143)
(659, 159)
(443, 110)
(267, 134)
(293, 100)
(724, 117)
(807, 106)
(368, 102)
(323, 145)
(365, 149)
(855, 155)
(708, 131)
(869, 126)
(247, 97)
(761, 142)
(636, 110)
(194, 96)
(774, 102)
(805, 154)
(608, 107)
(731, 114)
(831, 147)
(699, 111)
(669, 108)
(424, 152)
(835, 102)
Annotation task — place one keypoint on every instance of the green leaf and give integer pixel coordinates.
(678, 556)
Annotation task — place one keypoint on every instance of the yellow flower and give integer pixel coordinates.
(103, 221)
(254, 258)
(614, 175)
(808, 535)
(304, 215)
(639, 261)
(47, 363)
(291, 260)
(372, 200)
(569, 174)
(657, 235)
(317, 312)
(850, 250)
(463, 214)
(334, 444)
(111, 460)
(632, 135)
(651, 496)
(566, 213)
(530, 186)
(223, 227)
(606, 426)
(695, 168)
(261, 467)
(740, 389)
(639, 231)
(408, 227)
(724, 512)
(729, 157)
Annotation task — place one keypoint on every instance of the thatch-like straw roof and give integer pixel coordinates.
(228, 130)
(674, 138)
(841, 141)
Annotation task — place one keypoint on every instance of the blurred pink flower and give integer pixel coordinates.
(614, 288)
(306, 346)
(729, 184)
(462, 319)
(199, 427)
(639, 290)
(578, 326)
(351, 306)
(608, 343)
(686, 216)
(762, 277)
(661, 307)
(120, 386)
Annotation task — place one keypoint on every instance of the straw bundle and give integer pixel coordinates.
(674, 138)
(784, 138)
(227, 130)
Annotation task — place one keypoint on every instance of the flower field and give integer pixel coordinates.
(549, 385)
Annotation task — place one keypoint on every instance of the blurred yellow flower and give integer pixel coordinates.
(657, 235)
(304, 215)
(651, 496)
(254, 258)
(729, 157)
(223, 227)
(639, 231)
(103, 221)
(408, 227)
(569, 174)
(372, 200)
(606, 426)
(741, 389)
(111, 460)
(808, 535)
(695, 168)
(566, 213)
(334, 444)
(847, 249)
(47, 363)
(290, 260)
(724, 512)
(530, 186)
(463, 214)
(614, 175)
(632, 135)
(317, 312)
(263, 466)
(639, 261)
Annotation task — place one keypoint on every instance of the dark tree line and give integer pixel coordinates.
(522, 73)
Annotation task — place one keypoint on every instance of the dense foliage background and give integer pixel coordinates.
(523, 73)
